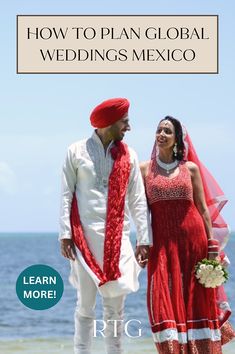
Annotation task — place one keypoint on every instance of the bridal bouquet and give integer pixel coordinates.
(210, 273)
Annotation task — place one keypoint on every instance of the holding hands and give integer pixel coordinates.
(142, 255)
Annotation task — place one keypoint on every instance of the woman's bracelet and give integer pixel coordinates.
(213, 240)
(213, 246)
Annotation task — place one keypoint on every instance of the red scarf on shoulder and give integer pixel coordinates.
(118, 182)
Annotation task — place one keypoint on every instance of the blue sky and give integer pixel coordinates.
(41, 115)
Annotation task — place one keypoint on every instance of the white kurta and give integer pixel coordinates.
(86, 172)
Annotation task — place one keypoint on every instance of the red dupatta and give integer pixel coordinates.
(118, 182)
(215, 198)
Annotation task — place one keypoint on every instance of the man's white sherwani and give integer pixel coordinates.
(86, 172)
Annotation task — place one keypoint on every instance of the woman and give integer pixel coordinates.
(185, 317)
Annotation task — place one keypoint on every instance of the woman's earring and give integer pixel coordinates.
(175, 150)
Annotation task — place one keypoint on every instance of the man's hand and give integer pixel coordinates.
(142, 255)
(67, 248)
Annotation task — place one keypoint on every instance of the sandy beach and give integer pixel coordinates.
(64, 346)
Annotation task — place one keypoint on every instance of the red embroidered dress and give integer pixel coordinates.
(183, 314)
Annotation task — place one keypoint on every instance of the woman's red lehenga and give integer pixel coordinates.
(185, 317)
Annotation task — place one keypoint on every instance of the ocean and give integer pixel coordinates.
(23, 330)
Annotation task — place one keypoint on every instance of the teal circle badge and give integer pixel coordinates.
(39, 287)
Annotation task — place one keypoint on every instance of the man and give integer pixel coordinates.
(101, 186)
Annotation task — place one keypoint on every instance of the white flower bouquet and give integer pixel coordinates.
(210, 273)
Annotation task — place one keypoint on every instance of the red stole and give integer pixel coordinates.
(118, 182)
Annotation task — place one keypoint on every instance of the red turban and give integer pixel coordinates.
(108, 112)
